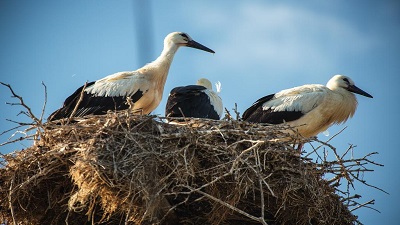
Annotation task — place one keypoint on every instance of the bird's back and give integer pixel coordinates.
(190, 101)
(286, 105)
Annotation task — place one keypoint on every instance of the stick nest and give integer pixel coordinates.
(127, 169)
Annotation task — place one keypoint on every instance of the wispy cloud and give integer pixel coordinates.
(282, 37)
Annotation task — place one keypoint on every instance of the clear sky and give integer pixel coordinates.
(261, 47)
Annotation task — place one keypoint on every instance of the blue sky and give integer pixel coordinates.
(261, 47)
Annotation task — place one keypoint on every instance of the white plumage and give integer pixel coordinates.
(198, 101)
(311, 108)
(144, 87)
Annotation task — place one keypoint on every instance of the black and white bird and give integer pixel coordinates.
(141, 89)
(311, 108)
(197, 101)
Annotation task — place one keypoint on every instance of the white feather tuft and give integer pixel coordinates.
(218, 86)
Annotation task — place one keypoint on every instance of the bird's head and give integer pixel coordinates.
(183, 39)
(341, 81)
(205, 83)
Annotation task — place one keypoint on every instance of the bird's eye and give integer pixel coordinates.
(346, 80)
(184, 35)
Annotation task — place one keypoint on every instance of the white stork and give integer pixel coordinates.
(197, 101)
(311, 108)
(143, 87)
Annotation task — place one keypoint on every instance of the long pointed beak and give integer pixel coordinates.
(194, 44)
(357, 90)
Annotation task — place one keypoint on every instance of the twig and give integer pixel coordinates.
(14, 128)
(369, 185)
(45, 101)
(370, 202)
(325, 143)
(16, 140)
(351, 197)
(260, 183)
(79, 102)
(259, 219)
(10, 192)
(236, 161)
(228, 115)
(22, 103)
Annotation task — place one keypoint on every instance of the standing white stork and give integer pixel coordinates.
(197, 101)
(144, 87)
(311, 108)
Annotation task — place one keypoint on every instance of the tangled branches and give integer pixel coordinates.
(123, 168)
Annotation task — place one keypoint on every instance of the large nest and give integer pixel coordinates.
(126, 169)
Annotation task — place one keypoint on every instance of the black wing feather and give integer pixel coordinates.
(256, 106)
(190, 101)
(91, 104)
(256, 114)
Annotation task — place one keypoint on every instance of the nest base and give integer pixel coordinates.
(127, 169)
